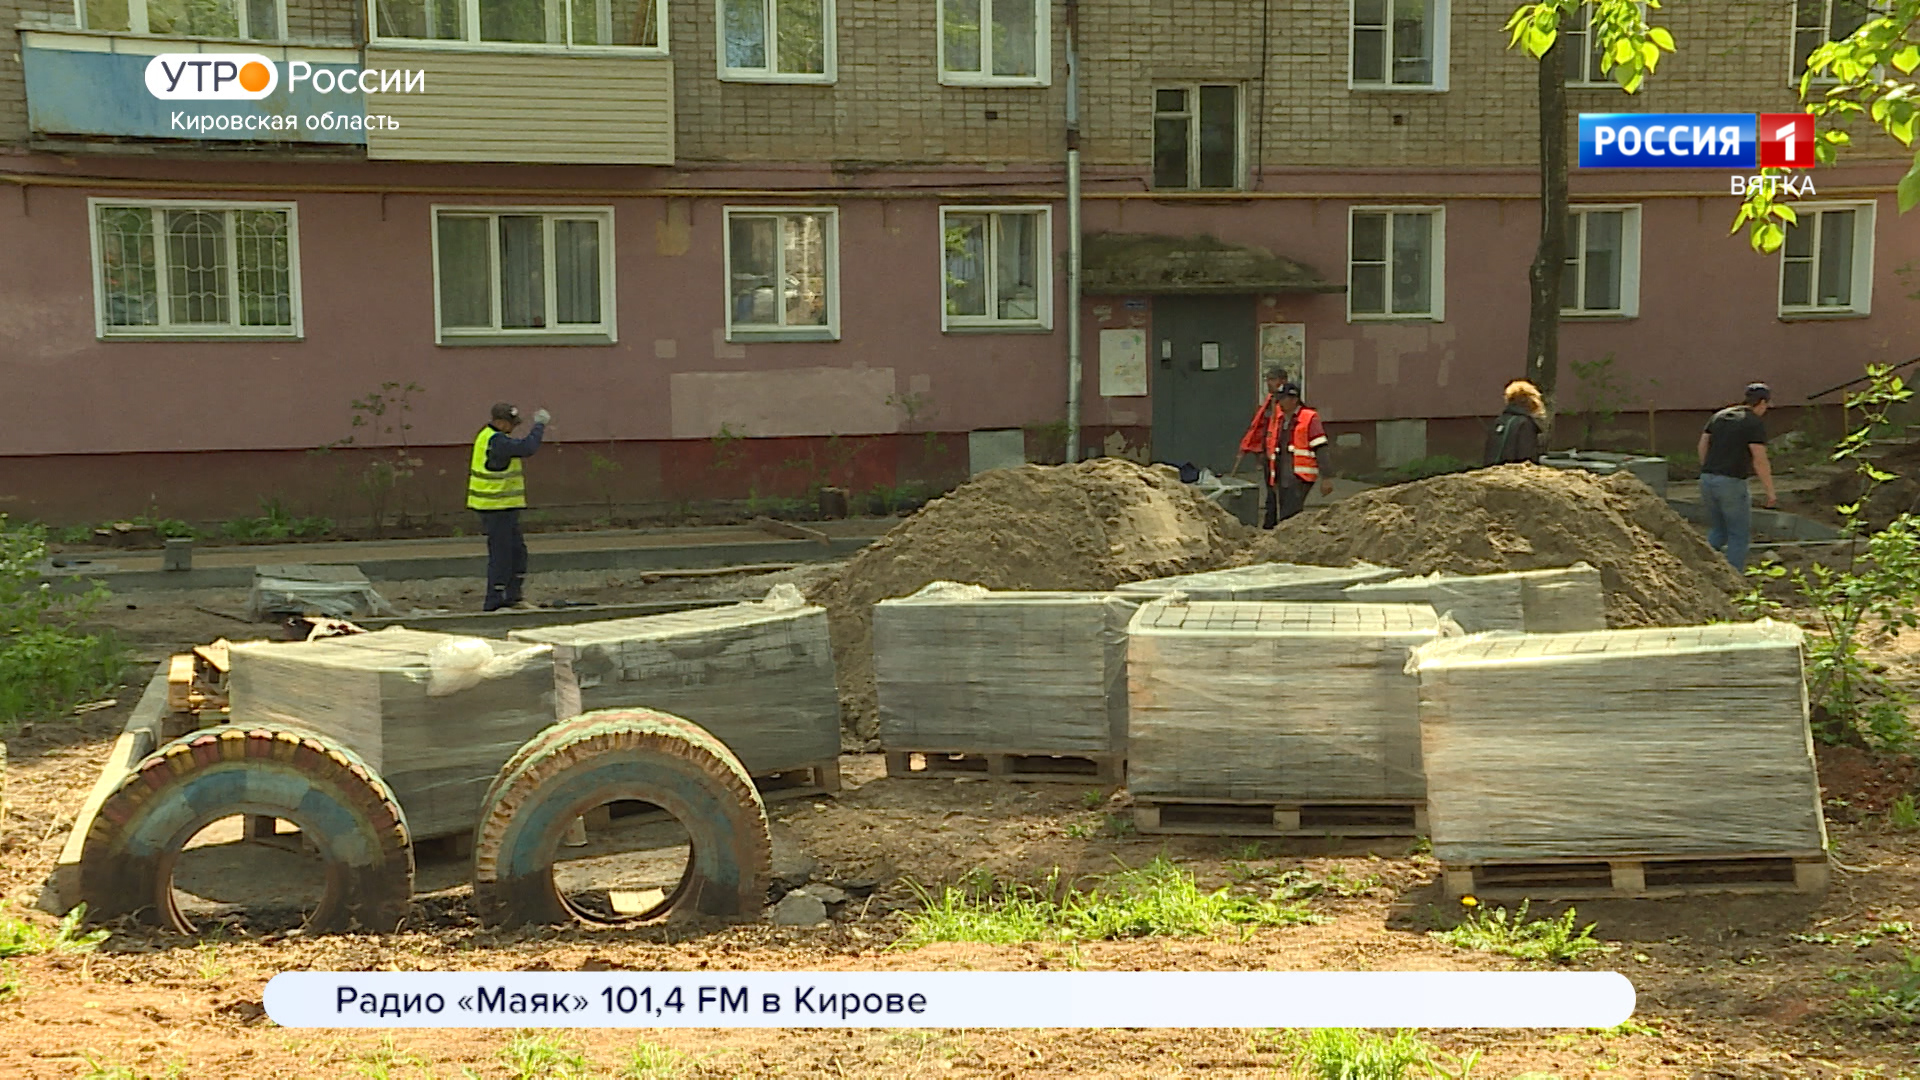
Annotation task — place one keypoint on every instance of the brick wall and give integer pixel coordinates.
(888, 104)
(326, 22)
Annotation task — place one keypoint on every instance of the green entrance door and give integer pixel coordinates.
(1206, 380)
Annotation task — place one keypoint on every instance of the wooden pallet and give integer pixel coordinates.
(1236, 817)
(1015, 768)
(800, 783)
(1641, 876)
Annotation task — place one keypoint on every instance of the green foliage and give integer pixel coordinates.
(1887, 999)
(19, 937)
(1158, 899)
(1632, 47)
(45, 663)
(381, 1062)
(1433, 465)
(727, 451)
(276, 522)
(539, 1057)
(1517, 936)
(1864, 603)
(10, 983)
(382, 416)
(1600, 394)
(604, 472)
(1902, 816)
(1349, 1054)
(650, 1061)
(1859, 939)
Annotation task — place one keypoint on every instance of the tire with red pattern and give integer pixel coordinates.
(336, 800)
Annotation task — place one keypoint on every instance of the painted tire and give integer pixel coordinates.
(126, 865)
(615, 754)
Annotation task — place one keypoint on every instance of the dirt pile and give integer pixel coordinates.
(1087, 526)
(1657, 569)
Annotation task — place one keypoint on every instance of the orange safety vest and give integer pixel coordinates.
(1306, 464)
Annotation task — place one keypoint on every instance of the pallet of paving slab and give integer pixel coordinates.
(1254, 817)
(797, 783)
(1014, 768)
(1629, 877)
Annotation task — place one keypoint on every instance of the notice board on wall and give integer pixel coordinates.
(1123, 363)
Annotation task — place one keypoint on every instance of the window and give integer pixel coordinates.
(560, 24)
(1196, 137)
(1580, 49)
(247, 20)
(1826, 264)
(543, 275)
(776, 40)
(995, 267)
(994, 41)
(783, 274)
(1602, 272)
(1394, 262)
(1816, 22)
(195, 269)
(1399, 43)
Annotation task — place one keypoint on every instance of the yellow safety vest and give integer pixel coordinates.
(489, 490)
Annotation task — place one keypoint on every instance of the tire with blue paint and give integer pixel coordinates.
(607, 756)
(336, 800)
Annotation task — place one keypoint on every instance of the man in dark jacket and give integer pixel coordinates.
(497, 491)
(1516, 434)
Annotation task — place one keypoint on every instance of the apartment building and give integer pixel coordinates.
(744, 245)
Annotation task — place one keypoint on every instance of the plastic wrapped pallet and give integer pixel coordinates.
(341, 592)
(435, 715)
(1535, 601)
(1672, 741)
(1279, 702)
(759, 676)
(964, 670)
(1264, 581)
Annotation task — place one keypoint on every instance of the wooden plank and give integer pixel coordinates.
(179, 682)
(1641, 878)
(1249, 817)
(136, 740)
(216, 655)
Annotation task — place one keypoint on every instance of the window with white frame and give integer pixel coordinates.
(1602, 271)
(776, 40)
(514, 273)
(1394, 262)
(1826, 264)
(1399, 43)
(196, 269)
(1816, 22)
(994, 41)
(783, 273)
(247, 20)
(1580, 49)
(1196, 137)
(545, 24)
(994, 265)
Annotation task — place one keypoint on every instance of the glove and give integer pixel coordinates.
(542, 416)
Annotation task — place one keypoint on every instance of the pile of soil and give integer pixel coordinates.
(1657, 569)
(1090, 525)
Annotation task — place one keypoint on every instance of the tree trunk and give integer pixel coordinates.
(1543, 323)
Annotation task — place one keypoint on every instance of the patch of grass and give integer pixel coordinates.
(98, 1069)
(1155, 900)
(1860, 939)
(1092, 798)
(651, 1061)
(380, 1062)
(1517, 936)
(1888, 999)
(540, 1057)
(1082, 830)
(1902, 815)
(1349, 1054)
(211, 967)
(10, 983)
(1629, 1026)
(19, 937)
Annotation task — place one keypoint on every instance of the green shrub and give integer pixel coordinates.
(1525, 939)
(45, 663)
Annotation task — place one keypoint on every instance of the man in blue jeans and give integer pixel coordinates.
(1732, 448)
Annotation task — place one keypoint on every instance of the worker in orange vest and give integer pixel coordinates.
(1291, 440)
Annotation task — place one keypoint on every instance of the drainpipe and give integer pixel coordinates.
(1073, 233)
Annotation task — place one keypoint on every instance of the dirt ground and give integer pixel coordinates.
(1724, 988)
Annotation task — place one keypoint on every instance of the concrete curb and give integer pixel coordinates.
(689, 557)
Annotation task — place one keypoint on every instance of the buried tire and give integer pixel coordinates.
(127, 861)
(613, 755)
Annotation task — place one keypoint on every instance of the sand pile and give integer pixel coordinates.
(1087, 526)
(1657, 569)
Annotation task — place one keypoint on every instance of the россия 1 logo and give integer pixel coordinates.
(211, 76)
(1696, 140)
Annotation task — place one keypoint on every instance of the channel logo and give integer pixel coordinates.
(1696, 140)
(211, 76)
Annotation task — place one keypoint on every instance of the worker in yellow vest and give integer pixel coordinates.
(497, 490)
